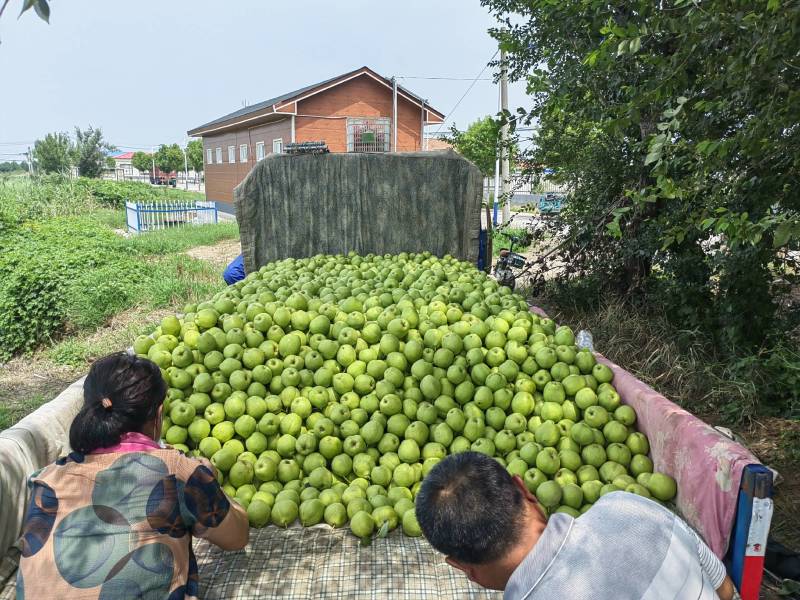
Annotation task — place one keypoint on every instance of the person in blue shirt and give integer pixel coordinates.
(491, 527)
(235, 271)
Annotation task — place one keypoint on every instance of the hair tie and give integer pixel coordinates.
(106, 402)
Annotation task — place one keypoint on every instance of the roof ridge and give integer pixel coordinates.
(287, 97)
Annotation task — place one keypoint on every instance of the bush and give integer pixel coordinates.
(74, 273)
(24, 199)
(39, 264)
(115, 193)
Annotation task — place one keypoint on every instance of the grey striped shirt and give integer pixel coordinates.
(624, 547)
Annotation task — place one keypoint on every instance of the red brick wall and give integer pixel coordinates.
(319, 117)
(359, 97)
(222, 178)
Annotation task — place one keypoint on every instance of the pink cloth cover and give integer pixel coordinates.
(131, 442)
(707, 465)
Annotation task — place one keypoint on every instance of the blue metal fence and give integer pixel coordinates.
(151, 216)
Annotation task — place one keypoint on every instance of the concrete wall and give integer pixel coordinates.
(299, 206)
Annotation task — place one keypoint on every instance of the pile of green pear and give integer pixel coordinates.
(325, 389)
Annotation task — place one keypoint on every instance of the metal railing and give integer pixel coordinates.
(368, 135)
(150, 216)
(521, 186)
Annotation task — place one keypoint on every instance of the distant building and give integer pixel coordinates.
(125, 168)
(350, 113)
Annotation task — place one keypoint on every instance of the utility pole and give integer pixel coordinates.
(497, 152)
(394, 114)
(185, 169)
(153, 172)
(30, 161)
(504, 145)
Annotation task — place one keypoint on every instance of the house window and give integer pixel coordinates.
(277, 146)
(243, 153)
(368, 135)
(219, 156)
(209, 156)
(259, 150)
(232, 154)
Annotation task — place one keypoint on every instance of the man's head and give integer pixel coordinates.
(484, 520)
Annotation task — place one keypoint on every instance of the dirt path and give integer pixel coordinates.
(220, 254)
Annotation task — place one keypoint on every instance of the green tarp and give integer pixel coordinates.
(302, 205)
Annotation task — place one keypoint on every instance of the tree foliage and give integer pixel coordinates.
(169, 158)
(53, 153)
(142, 161)
(13, 166)
(90, 150)
(194, 153)
(675, 125)
(478, 143)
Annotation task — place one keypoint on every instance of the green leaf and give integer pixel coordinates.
(636, 44)
(773, 5)
(42, 9)
(783, 233)
(383, 531)
(652, 157)
(26, 5)
(682, 100)
(623, 47)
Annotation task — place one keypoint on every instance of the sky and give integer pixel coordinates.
(146, 71)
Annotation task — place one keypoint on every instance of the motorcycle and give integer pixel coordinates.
(508, 261)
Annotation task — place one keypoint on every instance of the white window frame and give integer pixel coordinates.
(277, 143)
(243, 153)
(209, 156)
(219, 155)
(232, 154)
(259, 150)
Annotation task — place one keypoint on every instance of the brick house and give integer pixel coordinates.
(350, 113)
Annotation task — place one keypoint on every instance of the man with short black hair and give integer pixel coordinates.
(491, 527)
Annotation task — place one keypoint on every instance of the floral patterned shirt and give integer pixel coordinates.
(116, 525)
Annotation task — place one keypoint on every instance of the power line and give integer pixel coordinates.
(471, 85)
(445, 78)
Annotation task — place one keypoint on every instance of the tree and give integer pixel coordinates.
(479, 143)
(90, 151)
(110, 162)
(53, 154)
(675, 127)
(12, 167)
(142, 161)
(194, 154)
(169, 158)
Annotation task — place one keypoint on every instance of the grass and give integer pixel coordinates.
(166, 241)
(680, 364)
(64, 271)
(500, 239)
(11, 414)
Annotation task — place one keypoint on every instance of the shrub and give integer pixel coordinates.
(115, 193)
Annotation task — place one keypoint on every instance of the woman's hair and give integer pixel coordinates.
(121, 393)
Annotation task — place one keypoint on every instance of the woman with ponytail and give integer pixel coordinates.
(115, 518)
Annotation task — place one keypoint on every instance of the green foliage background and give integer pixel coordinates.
(63, 268)
(675, 125)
